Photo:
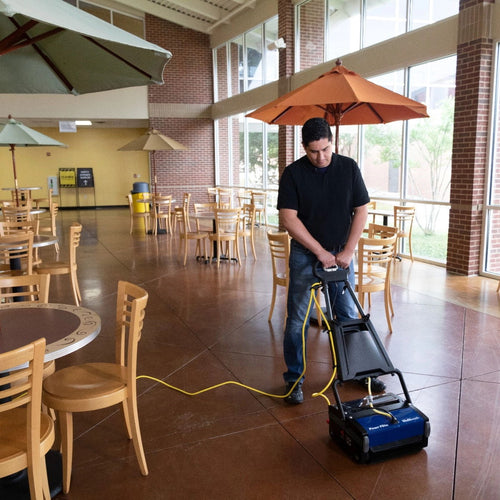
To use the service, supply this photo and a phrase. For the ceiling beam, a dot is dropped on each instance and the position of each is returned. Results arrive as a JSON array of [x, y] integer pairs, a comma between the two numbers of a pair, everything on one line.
[[203, 9], [167, 14]]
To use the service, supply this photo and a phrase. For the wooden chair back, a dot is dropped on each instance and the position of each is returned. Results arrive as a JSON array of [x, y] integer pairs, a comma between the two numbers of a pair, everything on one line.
[[162, 213], [204, 209], [279, 245], [26, 434], [247, 227], [16, 214], [259, 200], [27, 287], [17, 253], [227, 227], [403, 220], [375, 256]]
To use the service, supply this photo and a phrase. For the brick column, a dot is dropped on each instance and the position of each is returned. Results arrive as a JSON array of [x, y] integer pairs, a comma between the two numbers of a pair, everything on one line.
[[286, 67], [470, 139]]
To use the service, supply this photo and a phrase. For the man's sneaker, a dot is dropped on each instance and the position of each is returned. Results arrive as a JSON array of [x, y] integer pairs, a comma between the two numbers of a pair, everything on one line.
[[376, 385], [296, 396]]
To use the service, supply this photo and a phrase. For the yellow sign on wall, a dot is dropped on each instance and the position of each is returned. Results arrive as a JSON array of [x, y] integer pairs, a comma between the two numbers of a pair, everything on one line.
[[67, 177]]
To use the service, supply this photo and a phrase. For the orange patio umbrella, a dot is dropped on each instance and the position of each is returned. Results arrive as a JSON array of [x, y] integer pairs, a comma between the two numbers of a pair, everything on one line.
[[340, 96]]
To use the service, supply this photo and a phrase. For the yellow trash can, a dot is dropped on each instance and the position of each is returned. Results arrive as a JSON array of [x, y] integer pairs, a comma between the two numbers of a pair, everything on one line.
[[140, 206]]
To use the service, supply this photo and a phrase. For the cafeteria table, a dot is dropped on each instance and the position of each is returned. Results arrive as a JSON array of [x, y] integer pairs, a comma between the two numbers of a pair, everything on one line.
[[66, 328]]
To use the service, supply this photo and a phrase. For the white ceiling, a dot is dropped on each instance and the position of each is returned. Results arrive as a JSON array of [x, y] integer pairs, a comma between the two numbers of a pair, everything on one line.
[[198, 15]]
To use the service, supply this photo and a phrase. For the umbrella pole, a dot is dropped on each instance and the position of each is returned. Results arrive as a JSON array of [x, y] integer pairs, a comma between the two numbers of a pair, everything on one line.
[[16, 186], [153, 170]]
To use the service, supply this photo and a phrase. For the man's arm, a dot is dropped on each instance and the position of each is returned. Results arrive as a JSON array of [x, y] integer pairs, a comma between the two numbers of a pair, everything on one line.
[[298, 231]]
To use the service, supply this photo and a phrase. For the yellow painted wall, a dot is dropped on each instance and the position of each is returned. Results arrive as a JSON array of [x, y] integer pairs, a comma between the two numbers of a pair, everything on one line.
[[95, 148]]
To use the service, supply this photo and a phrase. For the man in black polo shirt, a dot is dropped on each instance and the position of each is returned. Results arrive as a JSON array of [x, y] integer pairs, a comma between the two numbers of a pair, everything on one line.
[[322, 201]]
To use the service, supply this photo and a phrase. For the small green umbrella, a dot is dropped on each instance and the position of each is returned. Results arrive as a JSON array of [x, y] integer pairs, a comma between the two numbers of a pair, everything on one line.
[[14, 133]]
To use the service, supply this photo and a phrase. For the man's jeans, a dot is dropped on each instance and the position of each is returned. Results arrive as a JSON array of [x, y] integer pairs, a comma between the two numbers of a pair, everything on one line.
[[301, 280]]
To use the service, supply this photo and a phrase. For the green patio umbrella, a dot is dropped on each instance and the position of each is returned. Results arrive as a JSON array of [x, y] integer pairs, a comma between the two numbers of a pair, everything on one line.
[[14, 133], [49, 46]]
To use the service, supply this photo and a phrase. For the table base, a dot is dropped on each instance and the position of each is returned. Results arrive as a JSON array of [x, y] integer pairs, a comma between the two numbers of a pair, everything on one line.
[[16, 486]]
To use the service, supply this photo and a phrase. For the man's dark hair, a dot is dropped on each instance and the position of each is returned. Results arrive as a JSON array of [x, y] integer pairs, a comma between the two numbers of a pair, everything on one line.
[[315, 129]]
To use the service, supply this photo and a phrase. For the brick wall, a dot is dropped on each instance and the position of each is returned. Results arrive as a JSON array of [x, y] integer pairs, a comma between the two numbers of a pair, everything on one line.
[[187, 80]]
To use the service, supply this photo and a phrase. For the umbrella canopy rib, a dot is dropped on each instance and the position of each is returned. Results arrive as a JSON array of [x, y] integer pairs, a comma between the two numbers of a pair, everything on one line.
[[117, 56]]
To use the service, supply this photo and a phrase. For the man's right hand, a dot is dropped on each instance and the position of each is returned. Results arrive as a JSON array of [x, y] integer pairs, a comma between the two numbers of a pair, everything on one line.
[[327, 259]]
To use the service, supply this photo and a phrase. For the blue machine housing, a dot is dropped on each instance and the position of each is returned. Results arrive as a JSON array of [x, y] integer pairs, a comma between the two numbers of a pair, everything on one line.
[[369, 436]]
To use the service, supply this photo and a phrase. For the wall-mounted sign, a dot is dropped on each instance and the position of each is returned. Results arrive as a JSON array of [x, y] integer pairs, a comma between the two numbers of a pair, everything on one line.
[[85, 177]]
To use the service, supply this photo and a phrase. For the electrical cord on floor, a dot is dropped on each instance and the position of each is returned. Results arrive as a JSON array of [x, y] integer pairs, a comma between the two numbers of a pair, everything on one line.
[[312, 297], [279, 396]]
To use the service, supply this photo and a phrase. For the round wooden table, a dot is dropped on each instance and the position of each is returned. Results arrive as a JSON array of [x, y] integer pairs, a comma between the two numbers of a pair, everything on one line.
[[66, 329]]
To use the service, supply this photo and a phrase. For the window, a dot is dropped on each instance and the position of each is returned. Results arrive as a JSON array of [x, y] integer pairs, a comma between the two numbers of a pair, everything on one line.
[[310, 34], [492, 226], [344, 26], [384, 19]]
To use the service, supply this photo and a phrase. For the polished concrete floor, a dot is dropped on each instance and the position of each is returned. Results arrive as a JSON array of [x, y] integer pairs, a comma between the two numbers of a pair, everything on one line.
[[206, 325]]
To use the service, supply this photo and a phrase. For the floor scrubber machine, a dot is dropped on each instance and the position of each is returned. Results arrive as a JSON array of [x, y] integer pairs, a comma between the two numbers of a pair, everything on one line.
[[375, 427]]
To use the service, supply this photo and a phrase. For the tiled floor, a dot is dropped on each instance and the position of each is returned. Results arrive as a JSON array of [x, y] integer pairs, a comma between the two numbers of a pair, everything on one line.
[[204, 326]]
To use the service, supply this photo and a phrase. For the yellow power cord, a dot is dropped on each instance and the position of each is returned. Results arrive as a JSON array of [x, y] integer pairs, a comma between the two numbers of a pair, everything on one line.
[[312, 296], [279, 396]]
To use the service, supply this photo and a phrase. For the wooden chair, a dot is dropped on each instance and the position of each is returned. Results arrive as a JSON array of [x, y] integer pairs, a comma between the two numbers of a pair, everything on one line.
[[225, 198], [372, 205], [10, 227], [375, 256], [259, 200], [48, 224], [162, 213], [222, 197], [403, 220], [227, 226], [185, 235], [93, 386], [49, 199], [17, 257], [16, 214], [26, 433], [381, 231], [28, 287], [137, 215], [247, 227], [207, 209], [70, 266], [279, 245]]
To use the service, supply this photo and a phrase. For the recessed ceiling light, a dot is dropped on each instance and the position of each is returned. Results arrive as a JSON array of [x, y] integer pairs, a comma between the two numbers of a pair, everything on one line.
[[83, 122]]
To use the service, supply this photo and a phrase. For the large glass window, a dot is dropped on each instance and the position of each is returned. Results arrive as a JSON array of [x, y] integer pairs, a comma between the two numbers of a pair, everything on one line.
[[382, 147], [271, 56], [246, 62], [428, 166], [384, 19], [310, 34], [344, 26], [253, 52], [425, 12], [492, 227]]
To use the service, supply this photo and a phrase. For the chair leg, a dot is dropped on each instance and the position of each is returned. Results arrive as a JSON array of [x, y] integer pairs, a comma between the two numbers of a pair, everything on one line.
[[252, 243], [273, 300], [66, 425], [186, 241], [75, 287], [133, 418]]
